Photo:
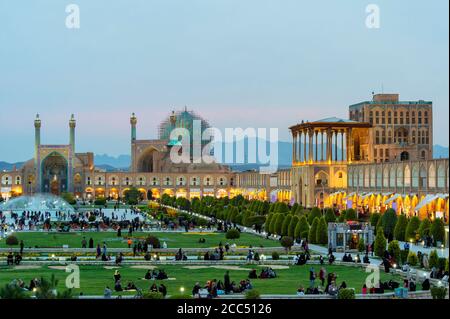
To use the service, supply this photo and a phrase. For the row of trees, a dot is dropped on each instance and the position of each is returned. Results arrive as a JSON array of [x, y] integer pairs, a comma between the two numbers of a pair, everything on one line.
[[403, 229]]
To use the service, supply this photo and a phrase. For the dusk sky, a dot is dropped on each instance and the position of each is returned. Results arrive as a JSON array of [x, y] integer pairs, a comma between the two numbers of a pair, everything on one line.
[[238, 63]]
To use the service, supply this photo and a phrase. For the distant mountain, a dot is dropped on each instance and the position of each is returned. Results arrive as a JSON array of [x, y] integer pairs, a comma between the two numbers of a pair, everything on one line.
[[122, 162], [4, 166]]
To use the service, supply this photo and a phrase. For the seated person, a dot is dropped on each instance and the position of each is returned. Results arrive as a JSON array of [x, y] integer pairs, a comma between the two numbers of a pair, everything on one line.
[[331, 259], [10, 259], [252, 274], [148, 275], [154, 288], [300, 291], [118, 286], [426, 284], [161, 275], [147, 256], [366, 259], [17, 259], [130, 286]]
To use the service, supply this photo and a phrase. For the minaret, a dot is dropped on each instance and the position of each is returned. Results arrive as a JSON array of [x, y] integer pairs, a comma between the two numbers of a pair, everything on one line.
[[72, 125], [133, 122], [37, 138], [37, 143]]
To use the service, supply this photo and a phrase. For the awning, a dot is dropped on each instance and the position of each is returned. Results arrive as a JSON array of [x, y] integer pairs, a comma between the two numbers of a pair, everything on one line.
[[428, 199], [442, 196], [366, 195], [387, 201], [336, 193]]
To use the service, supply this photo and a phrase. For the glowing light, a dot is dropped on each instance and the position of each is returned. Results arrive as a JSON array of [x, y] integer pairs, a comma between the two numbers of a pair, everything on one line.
[[182, 289]]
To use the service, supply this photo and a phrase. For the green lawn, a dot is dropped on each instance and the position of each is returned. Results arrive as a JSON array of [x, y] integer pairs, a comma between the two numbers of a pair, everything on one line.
[[93, 279], [173, 240]]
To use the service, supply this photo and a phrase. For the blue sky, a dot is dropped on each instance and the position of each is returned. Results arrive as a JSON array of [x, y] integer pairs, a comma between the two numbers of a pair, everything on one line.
[[252, 63]]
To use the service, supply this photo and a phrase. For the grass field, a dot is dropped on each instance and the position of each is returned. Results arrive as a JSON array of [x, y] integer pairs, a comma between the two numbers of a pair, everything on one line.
[[173, 240], [93, 279]]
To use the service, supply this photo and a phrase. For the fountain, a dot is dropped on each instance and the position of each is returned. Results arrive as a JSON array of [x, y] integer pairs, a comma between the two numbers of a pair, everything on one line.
[[37, 202]]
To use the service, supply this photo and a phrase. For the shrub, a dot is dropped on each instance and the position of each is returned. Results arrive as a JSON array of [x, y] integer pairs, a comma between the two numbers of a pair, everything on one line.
[[154, 241], [153, 295], [287, 242], [361, 245], [380, 243], [313, 231], [101, 201], [278, 224], [347, 293], [350, 214], [232, 234], [433, 260], [315, 213], [12, 291], [425, 228], [285, 225], [292, 226], [92, 218], [403, 256], [413, 260], [302, 228], [438, 230], [400, 228], [268, 221], [388, 220], [330, 216], [322, 232], [275, 255], [12, 240], [252, 294], [438, 292], [374, 218], [412, 228], [394, 250]]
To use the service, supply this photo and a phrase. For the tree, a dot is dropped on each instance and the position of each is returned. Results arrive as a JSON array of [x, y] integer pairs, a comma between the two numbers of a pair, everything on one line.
[[322, 232], [330, 216], [350, 215], [279, 224], [394, 250], [389, 219], [292, 225], [132, 196], [285, 225], [433, 261], [374, 218], [400, 228], [425, 228], [313, 231], [282, 208], [361, 245], [412, 260], [438, 230], [232, 234], [302, 228], [412, 228], [287, 242], [315, 213], [380, 243], [268, 221], [273, 222]]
